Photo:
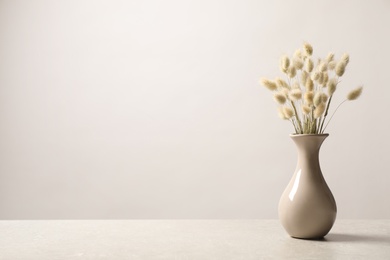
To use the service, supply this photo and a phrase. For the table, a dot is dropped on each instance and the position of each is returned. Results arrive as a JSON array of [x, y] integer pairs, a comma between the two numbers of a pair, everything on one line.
[[187, 239]]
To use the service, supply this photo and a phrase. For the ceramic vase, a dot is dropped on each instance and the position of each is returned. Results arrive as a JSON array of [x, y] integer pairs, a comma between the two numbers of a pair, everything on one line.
[[307, 208]]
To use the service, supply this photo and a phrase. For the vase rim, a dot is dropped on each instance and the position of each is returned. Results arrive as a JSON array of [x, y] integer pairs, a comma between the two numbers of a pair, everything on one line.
[[292, 135]]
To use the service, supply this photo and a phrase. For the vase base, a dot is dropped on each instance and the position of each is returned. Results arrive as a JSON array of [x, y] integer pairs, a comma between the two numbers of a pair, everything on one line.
[[320, 238]]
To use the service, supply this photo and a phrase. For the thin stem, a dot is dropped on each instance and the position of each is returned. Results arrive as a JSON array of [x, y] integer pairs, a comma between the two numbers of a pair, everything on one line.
[[326, 113], [327, 108], [296, 130], [319, 124], [304, 120], [333, 114], [311, 120], [298, 121], [297, 117]]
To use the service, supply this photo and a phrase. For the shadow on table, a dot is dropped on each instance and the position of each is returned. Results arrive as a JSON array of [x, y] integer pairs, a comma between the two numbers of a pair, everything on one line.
[[338, 237]]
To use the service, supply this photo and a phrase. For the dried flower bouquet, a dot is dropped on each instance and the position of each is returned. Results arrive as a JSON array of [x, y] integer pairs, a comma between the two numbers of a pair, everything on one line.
[[305, 97]]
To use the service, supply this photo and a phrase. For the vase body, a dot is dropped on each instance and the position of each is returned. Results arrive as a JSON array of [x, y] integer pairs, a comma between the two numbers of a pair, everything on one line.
[[307, 208]]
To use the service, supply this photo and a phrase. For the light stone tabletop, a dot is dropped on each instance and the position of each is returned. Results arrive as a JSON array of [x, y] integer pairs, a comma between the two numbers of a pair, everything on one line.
[[187, 239]]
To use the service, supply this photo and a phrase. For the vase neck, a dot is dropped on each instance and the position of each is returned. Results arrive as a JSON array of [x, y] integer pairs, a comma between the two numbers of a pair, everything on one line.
[[309, 142], [308, 147]]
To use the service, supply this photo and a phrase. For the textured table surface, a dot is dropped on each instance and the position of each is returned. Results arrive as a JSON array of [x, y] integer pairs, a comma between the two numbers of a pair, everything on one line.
[[187, 239]]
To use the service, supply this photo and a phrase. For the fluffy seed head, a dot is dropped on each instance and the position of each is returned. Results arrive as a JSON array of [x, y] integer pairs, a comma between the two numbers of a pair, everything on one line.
[[324, 97], [330, 57], [295, 94], [321, 79], [281, 113], [345, 58], [306, 109], [315, 75], [292, 72], [319, 110], [288, 112], [317, 99], [308, 49], [298, 54], [280, 98], [331, 65], [304, 76], [268, 84], [285, 91], [323, 67], [325, 78], [332, 83], [355, 94], [309, 98], [281, 83], [309, 84], [340, 68], [297, 63], [284, 64], [309, 65]]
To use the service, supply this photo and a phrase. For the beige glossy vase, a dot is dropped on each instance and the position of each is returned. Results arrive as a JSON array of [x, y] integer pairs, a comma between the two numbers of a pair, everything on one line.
[[307, 208]]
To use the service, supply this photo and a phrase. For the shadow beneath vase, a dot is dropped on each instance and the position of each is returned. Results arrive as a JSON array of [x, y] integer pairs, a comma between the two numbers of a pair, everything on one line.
[[338, 237]]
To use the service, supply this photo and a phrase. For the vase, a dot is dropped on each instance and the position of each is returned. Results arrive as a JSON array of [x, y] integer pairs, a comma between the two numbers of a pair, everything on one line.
[[307, 208]]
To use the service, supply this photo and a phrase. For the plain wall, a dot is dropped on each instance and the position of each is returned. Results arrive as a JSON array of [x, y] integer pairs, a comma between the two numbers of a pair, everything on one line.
[[152, 109]]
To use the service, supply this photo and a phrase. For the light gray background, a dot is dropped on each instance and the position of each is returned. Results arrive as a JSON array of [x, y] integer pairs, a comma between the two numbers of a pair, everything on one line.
[[151, 109]]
